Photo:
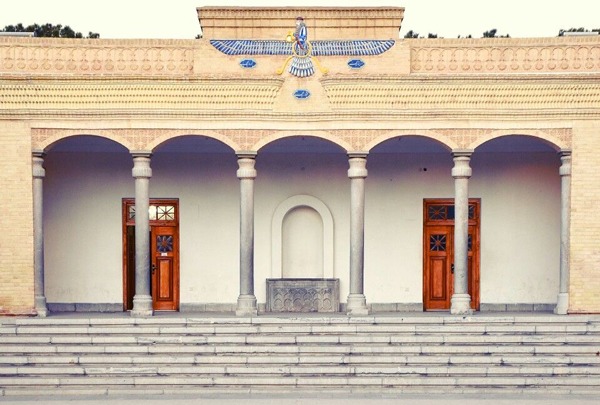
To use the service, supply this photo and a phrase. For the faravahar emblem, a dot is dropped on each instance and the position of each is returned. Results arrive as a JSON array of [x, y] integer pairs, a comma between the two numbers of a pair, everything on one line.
[[301, 53]]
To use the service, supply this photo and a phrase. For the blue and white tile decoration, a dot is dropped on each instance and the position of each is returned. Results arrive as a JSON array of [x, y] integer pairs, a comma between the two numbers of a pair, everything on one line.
[[301, 64], [356, 63], [319, 48], [248, 63], [302, 94], [301, 67]]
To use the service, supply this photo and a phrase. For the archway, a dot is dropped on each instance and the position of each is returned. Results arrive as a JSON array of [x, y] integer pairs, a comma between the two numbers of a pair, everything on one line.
[[517, 179], [86, 177]]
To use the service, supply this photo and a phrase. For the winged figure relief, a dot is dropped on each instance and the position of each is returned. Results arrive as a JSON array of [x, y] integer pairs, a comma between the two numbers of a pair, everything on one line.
[[301, 53]]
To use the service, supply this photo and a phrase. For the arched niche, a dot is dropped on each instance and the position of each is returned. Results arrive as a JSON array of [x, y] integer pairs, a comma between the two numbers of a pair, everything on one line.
[[299, 202]]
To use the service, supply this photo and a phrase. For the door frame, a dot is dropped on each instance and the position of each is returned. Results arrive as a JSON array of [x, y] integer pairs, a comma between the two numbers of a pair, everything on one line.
[[474, 253], [128, 272]]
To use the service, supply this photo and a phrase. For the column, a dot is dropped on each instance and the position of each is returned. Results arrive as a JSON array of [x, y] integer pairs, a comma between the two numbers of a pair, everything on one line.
[[142, 300], [461, 172], [562, 304], [246, 304], [38, 234], [357, 303]]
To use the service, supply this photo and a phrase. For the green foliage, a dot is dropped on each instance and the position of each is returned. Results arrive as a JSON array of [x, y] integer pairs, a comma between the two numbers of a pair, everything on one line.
[[49, 30], [492, 34], [412, 34]]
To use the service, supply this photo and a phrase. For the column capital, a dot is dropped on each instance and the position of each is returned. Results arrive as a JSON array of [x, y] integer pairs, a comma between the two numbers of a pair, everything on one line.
[[246, 154], [246, 162], [39, 153], [358, 166], [37, 168], [461, 169], [462, 152], [141, 165], [141, 153], [565, 159]]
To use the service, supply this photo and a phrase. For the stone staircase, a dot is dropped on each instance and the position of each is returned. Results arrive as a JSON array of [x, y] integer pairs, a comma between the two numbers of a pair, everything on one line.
[[386, 353]]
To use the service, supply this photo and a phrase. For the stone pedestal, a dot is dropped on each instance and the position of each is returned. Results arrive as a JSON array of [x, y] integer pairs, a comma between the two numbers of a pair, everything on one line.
[[303, 295]]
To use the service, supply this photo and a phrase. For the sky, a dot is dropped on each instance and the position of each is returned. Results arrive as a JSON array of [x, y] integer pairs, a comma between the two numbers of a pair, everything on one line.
[[177, 19]]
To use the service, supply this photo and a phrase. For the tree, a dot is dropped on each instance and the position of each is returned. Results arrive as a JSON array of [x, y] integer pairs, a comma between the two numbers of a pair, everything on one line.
[[49, 30], [412, 34], [492, 34]]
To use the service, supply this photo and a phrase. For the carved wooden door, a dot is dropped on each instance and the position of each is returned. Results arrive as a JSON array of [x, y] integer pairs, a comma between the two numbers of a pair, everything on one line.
[[438, 274], [164, 253], [438, 254], [164, 276]]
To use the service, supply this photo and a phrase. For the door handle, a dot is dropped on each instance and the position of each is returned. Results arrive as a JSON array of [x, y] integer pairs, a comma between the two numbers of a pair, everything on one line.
[[452, 268], [154, 268]]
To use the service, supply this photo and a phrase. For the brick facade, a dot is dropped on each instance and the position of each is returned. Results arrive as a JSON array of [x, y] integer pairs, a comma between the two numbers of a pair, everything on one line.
[[16, 236], [140, 93]]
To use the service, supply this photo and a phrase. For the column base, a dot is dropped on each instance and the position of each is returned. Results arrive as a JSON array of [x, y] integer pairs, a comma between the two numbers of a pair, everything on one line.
[[41, 308], [461, 304], [562, 304], [246, 306], [357, 305], [142, 306]]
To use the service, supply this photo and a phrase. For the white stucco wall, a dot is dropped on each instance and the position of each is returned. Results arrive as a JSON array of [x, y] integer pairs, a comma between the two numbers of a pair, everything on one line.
[[520, 224], [520, 209], [82, 226]]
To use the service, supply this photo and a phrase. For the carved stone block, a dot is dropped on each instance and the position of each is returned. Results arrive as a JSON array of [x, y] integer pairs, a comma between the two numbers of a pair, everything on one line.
[[303, 295]]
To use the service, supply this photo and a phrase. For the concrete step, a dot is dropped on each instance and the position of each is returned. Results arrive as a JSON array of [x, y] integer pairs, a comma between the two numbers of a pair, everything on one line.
[[165, 369], [303, 349], [383, 381], [385, 352], [59, 337]]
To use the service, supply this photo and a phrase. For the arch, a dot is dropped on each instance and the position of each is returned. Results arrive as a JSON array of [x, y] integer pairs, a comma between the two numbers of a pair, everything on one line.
[[281, 211], [173, 134], [553, 141], [430, 134], [49, 140], [326, 136]]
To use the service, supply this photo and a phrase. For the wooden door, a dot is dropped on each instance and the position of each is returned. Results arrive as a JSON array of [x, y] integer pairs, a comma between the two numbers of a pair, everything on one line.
[[438, 254], [438, 275], [164, 253], [164, 276]]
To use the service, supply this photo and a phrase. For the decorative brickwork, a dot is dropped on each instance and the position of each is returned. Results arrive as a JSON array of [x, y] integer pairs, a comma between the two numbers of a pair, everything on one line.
[[496, 55], [204, 95], [95, 57], [463, 93]]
